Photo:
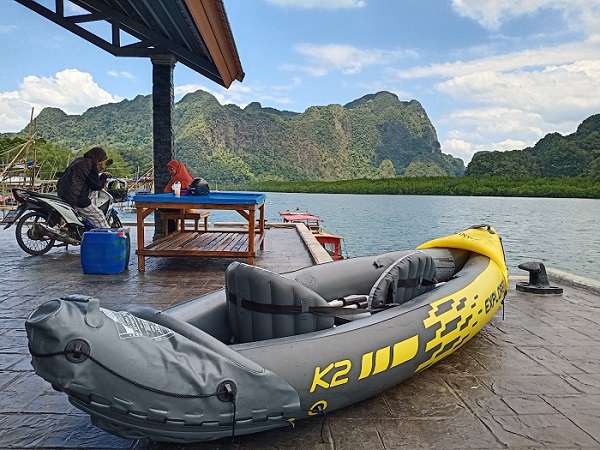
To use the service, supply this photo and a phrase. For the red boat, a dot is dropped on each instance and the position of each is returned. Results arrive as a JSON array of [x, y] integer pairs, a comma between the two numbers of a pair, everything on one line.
[[330, 242]]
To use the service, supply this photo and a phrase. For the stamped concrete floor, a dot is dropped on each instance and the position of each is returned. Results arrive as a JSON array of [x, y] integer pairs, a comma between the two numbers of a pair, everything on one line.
[[528, 380]]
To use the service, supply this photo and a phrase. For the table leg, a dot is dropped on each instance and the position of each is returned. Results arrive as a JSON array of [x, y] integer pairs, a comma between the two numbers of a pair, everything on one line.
[[182, 218], [140, 239], [262, 226], [251, 226]]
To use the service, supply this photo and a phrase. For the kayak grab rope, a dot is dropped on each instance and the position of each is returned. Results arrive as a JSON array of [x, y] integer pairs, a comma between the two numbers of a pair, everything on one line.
[[320, 411], [78, 351]]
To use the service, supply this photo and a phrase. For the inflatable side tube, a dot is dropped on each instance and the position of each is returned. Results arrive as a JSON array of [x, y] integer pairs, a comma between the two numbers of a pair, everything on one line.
[[482, 240], [154, 376]]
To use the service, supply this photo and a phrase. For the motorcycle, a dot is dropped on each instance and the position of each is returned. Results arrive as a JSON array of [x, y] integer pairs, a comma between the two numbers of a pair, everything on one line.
[[45, 220]]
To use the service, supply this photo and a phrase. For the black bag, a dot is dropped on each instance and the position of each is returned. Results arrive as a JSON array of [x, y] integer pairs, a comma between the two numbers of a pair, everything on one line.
[[199, 186]]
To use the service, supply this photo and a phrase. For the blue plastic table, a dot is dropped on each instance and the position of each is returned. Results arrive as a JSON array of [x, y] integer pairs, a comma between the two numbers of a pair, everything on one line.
[[215, 242]]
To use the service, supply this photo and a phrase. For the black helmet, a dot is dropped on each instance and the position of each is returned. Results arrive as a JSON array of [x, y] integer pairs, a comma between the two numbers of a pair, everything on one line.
[[199, 186], [117, 187]]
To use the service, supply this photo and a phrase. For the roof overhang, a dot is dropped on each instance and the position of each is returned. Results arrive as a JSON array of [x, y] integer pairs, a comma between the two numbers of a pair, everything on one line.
[[195, 32]]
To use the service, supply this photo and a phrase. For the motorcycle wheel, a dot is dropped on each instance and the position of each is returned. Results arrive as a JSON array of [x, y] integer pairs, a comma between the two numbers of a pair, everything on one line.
[[24, 233], [114, 221]]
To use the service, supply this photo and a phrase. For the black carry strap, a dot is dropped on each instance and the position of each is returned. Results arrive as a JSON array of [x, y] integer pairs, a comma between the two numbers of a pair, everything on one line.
[[414, 282], [327, 311]]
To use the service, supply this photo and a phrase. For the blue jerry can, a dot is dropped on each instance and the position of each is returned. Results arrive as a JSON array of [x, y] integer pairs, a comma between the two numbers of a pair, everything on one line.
[[105, 250]]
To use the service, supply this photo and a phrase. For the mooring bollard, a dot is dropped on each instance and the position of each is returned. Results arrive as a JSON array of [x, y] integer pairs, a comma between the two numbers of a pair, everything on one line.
[[538, 280]]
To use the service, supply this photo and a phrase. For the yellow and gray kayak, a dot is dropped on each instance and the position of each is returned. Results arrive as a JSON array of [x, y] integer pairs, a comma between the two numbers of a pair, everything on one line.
[[269, 348]]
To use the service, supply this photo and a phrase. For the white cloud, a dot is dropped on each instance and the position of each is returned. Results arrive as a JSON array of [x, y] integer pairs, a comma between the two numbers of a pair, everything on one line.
[[14, 112], [8, 28], [477, 129], [568, 53], [491, 13], [485, 129], [465, 150], [509, 144], [460, 149], [496, 122], [580, 15], [71, 90], [515, 98], [556, 94], [322, 59], [122, 74], [319, 4]]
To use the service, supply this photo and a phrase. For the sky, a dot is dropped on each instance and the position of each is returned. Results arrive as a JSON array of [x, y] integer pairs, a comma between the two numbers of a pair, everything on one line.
[[491, 74]]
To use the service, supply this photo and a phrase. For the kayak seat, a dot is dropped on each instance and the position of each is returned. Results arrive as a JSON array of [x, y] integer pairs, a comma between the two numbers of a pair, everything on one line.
[[265, 305], [407, 278]]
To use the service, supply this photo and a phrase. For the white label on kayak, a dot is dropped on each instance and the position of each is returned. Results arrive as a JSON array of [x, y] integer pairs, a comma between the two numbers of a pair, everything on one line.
[[130, 326]]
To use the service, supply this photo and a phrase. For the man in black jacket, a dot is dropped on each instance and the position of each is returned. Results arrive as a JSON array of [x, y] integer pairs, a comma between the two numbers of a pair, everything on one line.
[[80, 179]]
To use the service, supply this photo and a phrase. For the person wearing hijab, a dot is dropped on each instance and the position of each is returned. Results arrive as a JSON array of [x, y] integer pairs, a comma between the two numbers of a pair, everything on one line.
[[178, 173], [80, 179]]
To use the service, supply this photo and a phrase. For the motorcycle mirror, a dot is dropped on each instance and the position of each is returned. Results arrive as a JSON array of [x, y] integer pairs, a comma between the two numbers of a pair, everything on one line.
[[108, 162]]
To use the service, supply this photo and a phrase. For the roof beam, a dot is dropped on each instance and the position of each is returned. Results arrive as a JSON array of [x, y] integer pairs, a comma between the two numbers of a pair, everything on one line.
[[175, 31], [211, 20]]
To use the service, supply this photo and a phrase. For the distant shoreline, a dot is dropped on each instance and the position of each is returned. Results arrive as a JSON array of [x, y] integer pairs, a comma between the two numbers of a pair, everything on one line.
[[453, 186]]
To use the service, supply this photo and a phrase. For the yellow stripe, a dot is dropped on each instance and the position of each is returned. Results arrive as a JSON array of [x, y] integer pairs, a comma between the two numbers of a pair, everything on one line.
[[405, 350], [382, 359], [367, 365]]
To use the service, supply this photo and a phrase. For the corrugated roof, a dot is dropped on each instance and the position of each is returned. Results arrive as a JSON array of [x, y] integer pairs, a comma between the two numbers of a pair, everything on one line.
[[195, 32]]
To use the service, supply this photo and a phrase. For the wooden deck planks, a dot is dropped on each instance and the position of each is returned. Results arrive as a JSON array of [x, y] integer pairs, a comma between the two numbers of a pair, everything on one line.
[[191, 243]]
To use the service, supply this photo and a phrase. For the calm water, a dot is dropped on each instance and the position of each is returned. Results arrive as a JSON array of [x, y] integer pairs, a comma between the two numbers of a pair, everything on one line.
[[561, 233]]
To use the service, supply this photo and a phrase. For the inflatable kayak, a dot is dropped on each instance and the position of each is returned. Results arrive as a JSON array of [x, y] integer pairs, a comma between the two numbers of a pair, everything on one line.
[[269, 348]]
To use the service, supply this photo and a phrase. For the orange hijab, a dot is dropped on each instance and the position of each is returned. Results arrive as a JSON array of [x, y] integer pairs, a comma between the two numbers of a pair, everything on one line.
[[181, 174]]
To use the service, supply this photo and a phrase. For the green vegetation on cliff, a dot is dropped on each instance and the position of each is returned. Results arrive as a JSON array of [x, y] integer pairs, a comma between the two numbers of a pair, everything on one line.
[[374, 136], [575, 155]]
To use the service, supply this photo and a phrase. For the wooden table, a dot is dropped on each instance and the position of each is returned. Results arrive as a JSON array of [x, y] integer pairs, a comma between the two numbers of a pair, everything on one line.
[[215, 242]]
